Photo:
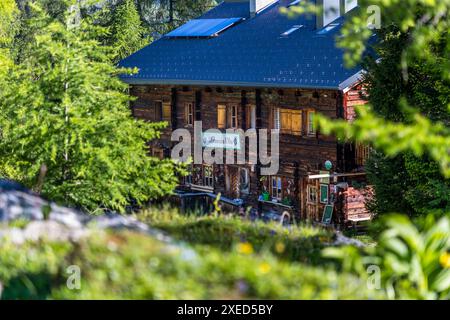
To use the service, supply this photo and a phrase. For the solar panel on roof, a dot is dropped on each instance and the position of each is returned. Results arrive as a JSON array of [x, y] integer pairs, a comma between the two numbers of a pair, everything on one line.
[[203, 27]]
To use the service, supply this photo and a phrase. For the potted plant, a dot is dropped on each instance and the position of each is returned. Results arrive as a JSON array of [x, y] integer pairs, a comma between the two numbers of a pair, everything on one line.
[[286, 202], [265, 196]]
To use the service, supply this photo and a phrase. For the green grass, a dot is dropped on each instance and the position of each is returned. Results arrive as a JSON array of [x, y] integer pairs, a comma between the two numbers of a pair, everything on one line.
[[132, 266], [219, 257], [302, 243]]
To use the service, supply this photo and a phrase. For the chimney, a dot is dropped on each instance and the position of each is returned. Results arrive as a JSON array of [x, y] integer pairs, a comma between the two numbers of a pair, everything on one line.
[[257, 5], [330, 11], [347, 5]]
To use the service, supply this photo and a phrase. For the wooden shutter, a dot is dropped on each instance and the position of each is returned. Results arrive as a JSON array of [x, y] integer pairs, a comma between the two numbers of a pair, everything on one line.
[[221, 116], [167, 112], [296, 124], [158, 111], [286, 121]]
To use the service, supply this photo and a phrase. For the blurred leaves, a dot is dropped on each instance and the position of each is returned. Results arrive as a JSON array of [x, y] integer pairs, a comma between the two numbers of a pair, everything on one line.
[[420, 136], [426, 25], [126, 265], [410, 258]]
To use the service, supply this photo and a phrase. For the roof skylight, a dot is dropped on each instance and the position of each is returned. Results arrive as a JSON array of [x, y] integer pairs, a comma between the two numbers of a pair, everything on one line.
[[203, 28], [294, 3], [329, 28], [291, 30]]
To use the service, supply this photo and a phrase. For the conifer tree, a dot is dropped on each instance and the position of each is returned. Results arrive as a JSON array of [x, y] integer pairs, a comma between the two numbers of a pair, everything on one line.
[[127, 32], [66, 129]]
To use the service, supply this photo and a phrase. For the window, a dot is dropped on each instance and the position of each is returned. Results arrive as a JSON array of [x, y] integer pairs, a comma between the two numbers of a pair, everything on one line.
[[188, 179], [189, 114], [362, 154], [221, 116], [291, 30], [312, 194], [251, 117], [158, 111], [233, 117], [157, 153], [245, 181], [167, 112], [277, 192], [227, 117], [276, 119], [288, 121], [208, 176], [310, 122]]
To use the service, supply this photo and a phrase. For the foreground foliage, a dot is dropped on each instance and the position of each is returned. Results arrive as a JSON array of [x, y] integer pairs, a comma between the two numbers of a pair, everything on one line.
[[407, 183], [132, 266], [296, 243], [412, 262], [424, 26], [407, 263]]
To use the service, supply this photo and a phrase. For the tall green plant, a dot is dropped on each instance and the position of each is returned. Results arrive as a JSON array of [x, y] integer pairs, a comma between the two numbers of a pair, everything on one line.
[[66, 127], [414, 263]]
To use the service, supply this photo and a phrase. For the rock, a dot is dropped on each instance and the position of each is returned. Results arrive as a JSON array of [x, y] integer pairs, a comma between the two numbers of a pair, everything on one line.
[[53, 231], [118, 222], [14, 235], [65, 224], [44, 230], [342, 240]]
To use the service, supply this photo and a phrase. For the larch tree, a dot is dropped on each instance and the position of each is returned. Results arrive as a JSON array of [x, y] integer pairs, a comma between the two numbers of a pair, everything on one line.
[[67, 130]]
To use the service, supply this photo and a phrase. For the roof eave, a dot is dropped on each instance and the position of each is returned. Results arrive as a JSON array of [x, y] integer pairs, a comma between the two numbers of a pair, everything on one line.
[[205, 83], [348, 84]]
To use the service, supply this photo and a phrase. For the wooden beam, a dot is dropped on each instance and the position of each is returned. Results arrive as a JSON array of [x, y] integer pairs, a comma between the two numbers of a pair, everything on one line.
[[335, 175]]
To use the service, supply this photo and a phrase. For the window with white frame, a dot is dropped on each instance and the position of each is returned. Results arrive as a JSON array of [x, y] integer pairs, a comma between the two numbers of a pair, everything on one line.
[[277, 119], [312, 194], [189, 114], [227, 116], [277, 188], [233, 117], [244, 181], [311, 114], [208, 176], [188, 179]]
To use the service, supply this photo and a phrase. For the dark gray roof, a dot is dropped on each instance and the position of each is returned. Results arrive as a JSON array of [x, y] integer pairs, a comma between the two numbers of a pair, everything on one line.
[[251, 53]]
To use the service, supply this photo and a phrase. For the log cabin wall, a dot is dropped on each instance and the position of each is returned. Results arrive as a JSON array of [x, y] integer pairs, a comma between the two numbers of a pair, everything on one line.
[[301, 154]]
